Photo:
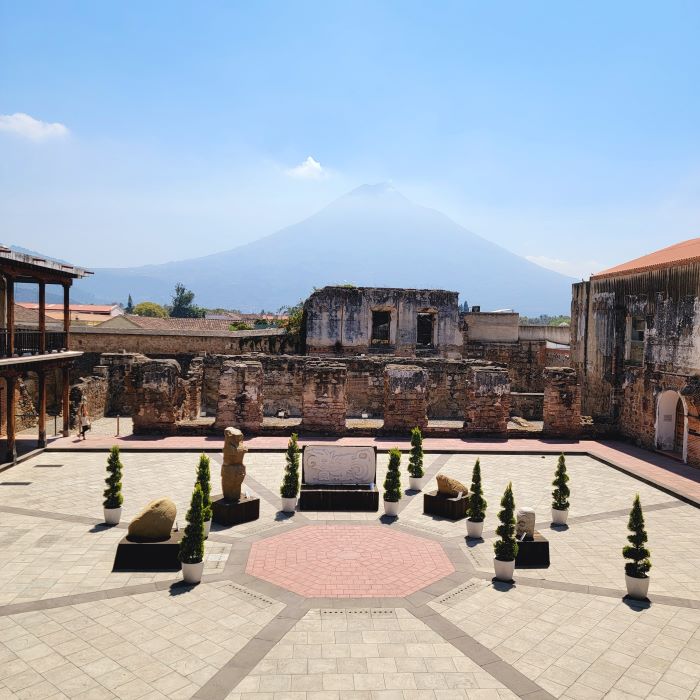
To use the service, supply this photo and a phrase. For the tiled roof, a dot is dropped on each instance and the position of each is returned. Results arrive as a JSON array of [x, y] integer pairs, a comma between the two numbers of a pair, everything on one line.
[[179, 324], [684, 252], [80, 308]]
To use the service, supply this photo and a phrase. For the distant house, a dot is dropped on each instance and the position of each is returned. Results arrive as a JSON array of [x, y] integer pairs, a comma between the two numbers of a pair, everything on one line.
[[80, 314], [126, 321]]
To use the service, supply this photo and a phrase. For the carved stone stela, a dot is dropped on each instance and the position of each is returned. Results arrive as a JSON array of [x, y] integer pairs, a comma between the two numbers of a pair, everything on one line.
[[333, 465]]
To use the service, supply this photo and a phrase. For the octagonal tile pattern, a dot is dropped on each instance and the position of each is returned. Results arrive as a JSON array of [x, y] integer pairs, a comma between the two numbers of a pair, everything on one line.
[[348, 561]]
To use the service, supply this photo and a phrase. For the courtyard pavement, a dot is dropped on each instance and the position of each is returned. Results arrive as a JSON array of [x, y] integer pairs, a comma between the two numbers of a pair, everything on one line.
[[343, 606]]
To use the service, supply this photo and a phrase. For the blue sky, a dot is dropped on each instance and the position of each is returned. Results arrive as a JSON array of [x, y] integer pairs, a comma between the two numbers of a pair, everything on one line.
[[566, 132]]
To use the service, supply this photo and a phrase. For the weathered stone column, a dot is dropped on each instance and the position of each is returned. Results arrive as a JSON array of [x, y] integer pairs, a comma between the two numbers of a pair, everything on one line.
[[405, 397], [324, 399], [488, 401], [240, 403], [562, 402], [159, 396]]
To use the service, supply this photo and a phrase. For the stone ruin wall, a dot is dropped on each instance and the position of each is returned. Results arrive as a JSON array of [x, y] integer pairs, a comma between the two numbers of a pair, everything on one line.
[[562, 403], [405, 397], [240, 396], [94, 391], [324, 400], [487, 401], [525, 359]]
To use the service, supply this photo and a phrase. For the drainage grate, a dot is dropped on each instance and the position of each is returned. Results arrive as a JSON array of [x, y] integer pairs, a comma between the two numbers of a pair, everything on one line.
[[15, 483]]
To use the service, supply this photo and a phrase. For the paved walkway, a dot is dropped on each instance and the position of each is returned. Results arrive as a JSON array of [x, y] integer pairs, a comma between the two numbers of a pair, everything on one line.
[[654, 468], [70, 628]]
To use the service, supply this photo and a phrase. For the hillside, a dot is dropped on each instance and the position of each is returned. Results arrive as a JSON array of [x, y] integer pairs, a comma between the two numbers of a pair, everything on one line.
[[372, 236]]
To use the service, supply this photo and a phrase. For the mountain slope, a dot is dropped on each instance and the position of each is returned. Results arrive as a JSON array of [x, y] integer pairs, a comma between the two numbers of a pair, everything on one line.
[[372, 236]]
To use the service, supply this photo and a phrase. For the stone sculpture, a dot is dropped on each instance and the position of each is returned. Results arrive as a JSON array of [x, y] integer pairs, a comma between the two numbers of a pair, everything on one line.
[[447, 486], [155, 521], [525, 527], [233, 469]]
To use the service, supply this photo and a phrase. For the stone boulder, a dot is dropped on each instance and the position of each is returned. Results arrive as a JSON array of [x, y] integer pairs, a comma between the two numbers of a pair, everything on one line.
[[155, 521], [447, 486]]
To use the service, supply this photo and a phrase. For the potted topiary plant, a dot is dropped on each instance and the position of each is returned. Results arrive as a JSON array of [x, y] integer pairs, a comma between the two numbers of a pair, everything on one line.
[[637, 569], [416, 473], [113, 493], [290, 483], [392, 483], [191, 553], [506, 547], [560, 495], [204, 481], [476, 507]]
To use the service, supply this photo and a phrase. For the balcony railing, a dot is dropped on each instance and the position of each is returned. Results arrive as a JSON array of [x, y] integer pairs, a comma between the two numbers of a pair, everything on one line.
[[28, 342]]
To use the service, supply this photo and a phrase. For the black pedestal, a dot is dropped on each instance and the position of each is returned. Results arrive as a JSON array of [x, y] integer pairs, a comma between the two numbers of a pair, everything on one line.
[[533, 554], [140, 555], [243, 510], [435, 503], [339, 497]]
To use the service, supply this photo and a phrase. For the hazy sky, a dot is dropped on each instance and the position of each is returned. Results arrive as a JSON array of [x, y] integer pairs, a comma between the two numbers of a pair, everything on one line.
[[139, 132]]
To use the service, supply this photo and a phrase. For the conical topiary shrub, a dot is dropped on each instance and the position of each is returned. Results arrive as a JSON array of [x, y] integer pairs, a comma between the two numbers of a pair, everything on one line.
[[640, 563], [290, 481], [561, 492], [113, 493], [392, 482], [192, 542], [506, 547], [415, 461], [204, 481], [476, 509]]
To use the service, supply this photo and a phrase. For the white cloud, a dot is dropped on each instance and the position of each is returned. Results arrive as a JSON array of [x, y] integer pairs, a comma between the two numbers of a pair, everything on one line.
[[581, 269], [310, 169], [27, 127]]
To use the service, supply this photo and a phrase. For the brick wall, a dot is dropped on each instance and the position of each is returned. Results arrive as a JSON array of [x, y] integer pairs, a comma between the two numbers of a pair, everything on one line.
[[405, 397], [562, 402], [240, 402], [526, 360], [324, 404], [488, 401]]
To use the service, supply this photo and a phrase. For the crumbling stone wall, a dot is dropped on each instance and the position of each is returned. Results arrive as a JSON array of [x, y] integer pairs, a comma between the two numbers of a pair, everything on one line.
[[405, 397], [525, 359], [488, 401], [94, 392], [339, 320], [240, 402], [562, 402], [529, 406], [160, 396], [324, 401]]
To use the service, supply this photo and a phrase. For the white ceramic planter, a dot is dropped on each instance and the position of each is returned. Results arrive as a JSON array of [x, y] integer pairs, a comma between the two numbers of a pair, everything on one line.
[[207, 527], [416, 483], [391, 508], [112, 515], [475, 530], [637, 587], [504, 569], [559, 516], [192, 573], [289, 505]]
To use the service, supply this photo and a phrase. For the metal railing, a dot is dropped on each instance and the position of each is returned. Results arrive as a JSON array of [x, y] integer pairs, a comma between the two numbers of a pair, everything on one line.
[[28, 342]]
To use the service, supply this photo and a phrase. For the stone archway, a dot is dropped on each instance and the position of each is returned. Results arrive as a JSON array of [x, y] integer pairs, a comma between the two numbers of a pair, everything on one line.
[[672, 423]]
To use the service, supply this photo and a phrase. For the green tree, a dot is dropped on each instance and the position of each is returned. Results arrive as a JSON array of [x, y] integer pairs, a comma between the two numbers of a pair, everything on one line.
[[113, 493], [183, 304], [240, 326], [290, 482], [560, 494], [477, 503], [636, 551], [150, 308], [204, 481], [129, 306], [192, 542], [415, 462], [392, 482], [506, 547]]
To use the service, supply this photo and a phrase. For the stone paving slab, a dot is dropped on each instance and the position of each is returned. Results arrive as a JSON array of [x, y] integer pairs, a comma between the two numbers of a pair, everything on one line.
[[581, 646]]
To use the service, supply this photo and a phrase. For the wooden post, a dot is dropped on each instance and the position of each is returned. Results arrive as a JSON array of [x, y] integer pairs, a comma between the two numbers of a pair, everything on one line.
[[66, 401], [42, 317], [42, 407], [10, 316], [66, 314], [11, 445]]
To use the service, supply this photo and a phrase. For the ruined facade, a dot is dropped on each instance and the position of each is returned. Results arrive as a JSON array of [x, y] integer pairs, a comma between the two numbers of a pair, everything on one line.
[[635, 345], [401, 322]]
